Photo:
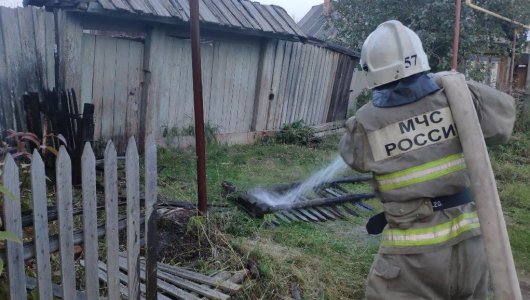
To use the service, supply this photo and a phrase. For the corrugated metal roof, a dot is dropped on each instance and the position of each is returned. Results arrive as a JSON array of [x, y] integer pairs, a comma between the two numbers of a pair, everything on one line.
[[237, 14]]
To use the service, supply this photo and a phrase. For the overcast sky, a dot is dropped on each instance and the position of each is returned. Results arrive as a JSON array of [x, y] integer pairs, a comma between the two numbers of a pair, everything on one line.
[[295, 8]]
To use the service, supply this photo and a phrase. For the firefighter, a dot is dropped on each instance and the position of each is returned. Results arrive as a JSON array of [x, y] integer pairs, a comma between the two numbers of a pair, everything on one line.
[[431, 245]]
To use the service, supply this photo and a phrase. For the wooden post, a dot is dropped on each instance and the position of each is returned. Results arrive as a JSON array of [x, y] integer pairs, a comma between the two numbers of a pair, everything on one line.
[[40, 225], [484, 188], [151, 218], [13, 224], [111, 221], [133, 218], [63, 168], [90, 222]]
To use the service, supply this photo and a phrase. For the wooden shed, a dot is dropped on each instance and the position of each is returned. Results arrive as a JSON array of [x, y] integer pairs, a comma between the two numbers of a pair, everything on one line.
[[132, 60]]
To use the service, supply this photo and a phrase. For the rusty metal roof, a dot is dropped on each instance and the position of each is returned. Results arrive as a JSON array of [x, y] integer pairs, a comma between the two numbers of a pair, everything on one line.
[[235, 14]]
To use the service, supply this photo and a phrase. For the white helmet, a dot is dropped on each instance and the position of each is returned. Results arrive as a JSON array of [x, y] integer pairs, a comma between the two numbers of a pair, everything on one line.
[[392, 52]]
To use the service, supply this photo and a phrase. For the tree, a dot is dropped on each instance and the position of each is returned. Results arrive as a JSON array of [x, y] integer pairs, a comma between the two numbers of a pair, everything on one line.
[[433, 21]]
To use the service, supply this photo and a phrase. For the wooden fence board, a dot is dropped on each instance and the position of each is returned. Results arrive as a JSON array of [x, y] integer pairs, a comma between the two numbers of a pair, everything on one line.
[[40, 225], [97, 85], [324, 85], [197, 277], [71, 47], [133, 217], [108, 72], [238, 89], [28, 64], [174, 69], [295, 80], [13, 58], [165, 83], [329, 93], [264, 83], [207, 53], [7, 116], [281, 94], [250, 87], [215, 101], [39, 28], [304, 74], [87, 75], [13, 224], [309, 96], [121, 93], [90, 226], [278, 55], [134, 88], [225, 78], [150, 236], [121, 277], [187, 86], [316, 79], [66, 222], [111, 220], [50, 46]]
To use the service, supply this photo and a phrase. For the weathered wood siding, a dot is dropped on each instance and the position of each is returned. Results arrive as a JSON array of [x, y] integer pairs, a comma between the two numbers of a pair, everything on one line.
[[304, 82], [142, 83], [112, 71], [229, 72], [26, 60]]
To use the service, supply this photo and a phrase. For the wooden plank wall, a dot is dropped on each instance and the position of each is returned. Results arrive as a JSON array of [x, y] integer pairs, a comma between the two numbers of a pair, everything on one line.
[[306, 82], [26, 60], [250, 84], [112, 71], [229, 72]]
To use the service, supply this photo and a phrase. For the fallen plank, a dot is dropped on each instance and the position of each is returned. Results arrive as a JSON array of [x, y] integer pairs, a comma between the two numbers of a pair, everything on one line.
[[197, 277]]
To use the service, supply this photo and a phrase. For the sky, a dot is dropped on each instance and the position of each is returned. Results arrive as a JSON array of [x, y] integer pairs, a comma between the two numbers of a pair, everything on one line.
[[295, 8], [11, 3]]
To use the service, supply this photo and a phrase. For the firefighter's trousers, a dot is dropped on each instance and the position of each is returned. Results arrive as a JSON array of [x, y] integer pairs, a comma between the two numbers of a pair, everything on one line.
[[455, 272]]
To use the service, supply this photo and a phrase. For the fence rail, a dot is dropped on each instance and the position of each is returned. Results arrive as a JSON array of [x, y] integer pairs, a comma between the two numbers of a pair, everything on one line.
[[65, 208]]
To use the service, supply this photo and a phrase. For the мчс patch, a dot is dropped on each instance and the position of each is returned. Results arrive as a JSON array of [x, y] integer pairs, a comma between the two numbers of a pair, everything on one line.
[[417, 132]]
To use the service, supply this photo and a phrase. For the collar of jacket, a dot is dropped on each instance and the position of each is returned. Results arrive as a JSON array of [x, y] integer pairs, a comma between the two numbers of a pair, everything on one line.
[[404, 91]]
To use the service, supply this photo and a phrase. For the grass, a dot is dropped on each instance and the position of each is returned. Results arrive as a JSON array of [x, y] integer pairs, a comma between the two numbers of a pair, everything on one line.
[[511, 164], [325, 260]]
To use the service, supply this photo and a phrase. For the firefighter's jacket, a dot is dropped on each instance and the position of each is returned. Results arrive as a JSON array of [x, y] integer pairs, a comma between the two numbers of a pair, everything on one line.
[[415, 154]]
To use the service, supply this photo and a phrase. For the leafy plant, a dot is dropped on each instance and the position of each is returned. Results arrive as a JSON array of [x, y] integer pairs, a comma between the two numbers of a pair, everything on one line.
[[297, 133], [24, 142]]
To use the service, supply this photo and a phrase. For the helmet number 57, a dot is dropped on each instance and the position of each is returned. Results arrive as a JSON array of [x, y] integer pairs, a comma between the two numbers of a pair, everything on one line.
[[410, 60]]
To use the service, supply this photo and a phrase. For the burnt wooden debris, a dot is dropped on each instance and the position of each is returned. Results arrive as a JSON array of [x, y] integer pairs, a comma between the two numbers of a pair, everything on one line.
[[329, 201], [56, 115]]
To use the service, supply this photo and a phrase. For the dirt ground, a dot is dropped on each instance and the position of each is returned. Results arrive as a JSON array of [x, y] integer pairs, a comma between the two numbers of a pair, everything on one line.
[[178, 245]]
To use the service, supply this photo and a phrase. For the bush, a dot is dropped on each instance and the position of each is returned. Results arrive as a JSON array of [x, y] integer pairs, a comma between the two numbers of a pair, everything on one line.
[[297, 133]]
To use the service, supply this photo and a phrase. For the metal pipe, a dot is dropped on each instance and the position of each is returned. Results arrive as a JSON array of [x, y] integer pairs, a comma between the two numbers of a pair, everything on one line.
[[198, 106], [456, 35], [470, 4]]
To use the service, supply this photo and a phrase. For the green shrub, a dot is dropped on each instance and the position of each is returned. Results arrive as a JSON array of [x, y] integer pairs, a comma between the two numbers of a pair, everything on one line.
[[296, 133]]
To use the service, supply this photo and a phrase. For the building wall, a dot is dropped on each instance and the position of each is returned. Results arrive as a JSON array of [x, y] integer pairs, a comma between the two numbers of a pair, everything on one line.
[[138, 76]]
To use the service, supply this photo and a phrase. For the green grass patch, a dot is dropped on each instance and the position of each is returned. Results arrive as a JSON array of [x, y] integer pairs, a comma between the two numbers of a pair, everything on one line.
[[325, 260], [511, 164]]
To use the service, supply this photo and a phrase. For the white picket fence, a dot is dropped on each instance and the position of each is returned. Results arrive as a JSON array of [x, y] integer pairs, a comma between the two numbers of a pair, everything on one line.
[[117, 286]]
